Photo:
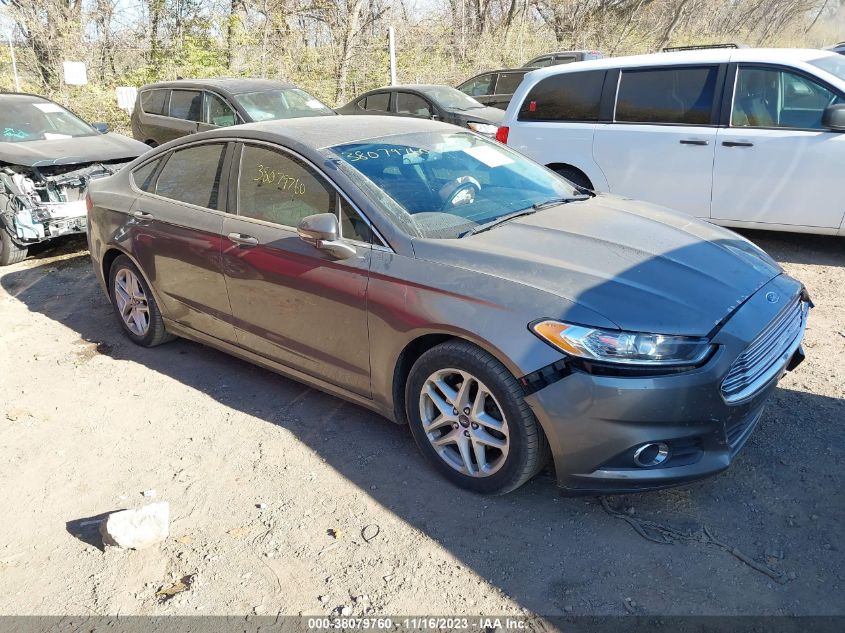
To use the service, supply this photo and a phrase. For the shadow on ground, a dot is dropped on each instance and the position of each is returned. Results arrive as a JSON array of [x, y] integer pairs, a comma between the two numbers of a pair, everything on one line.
[[551, 554]]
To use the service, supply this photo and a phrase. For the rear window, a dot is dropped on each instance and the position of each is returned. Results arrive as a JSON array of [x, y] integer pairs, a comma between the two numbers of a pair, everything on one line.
[[667, 95], [564, 97], [154, 101]]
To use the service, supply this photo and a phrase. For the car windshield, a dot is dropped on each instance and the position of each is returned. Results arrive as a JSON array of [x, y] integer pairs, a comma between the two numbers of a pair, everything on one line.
[[444, 184], [284, 103], [450, 98], [834, 64], [24, 121]]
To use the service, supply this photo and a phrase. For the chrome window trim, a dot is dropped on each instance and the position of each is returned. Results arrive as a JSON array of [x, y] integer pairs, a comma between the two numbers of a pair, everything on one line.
[[171, 151]]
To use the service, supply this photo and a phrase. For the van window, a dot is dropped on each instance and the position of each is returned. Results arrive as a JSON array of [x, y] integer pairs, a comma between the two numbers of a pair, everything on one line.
[[479, 87], [667, 95], [186, 104], [508, 83], [564, 97], [217, 111], [154, 101], [772, 98]]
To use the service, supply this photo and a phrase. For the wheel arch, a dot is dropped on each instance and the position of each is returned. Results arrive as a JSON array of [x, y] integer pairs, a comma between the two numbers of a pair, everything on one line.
[[561, 166], [112, 253], [421, 344]]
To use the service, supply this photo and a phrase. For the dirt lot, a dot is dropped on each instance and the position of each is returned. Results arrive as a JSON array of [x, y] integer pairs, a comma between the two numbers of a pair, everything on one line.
[[287, 500]]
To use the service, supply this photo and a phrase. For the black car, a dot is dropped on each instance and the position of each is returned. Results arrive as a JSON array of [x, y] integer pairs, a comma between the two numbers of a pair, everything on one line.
[[838, 48], [170, 109], [495, 87], [562, 57], [428, 101], [48, 155]]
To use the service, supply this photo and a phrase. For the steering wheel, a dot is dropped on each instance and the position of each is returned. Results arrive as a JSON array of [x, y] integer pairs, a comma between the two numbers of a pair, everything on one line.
[[459, 192]]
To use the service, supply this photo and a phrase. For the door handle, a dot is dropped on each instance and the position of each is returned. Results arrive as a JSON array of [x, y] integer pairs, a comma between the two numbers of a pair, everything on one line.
[[737, 144], [243, 240], [694, 141], [142, 215]]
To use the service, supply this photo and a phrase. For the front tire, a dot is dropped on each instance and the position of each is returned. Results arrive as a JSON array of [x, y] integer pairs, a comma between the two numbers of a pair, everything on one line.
[[10, 252], [470, 420], [134, 304]]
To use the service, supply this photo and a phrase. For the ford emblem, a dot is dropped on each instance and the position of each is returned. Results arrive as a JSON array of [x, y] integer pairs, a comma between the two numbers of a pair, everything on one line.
[[771, 297]]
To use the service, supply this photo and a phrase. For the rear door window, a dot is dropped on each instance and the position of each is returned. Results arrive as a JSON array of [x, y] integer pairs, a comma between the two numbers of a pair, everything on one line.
[[667, 95], [193, 175], [564, 97], [186, 104], [155, 101], [379, 101]]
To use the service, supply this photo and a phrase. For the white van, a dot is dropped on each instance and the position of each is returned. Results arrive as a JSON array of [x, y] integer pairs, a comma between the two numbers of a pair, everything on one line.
[[743, 137]]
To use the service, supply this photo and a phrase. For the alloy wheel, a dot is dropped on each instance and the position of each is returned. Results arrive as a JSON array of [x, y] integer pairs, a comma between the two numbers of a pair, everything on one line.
[[464, 423], [132, 302]]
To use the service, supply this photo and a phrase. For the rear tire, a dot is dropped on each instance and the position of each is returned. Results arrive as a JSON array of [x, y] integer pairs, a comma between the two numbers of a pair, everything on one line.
[[575, 176], [134, 305], [10, 252], [469, 418]]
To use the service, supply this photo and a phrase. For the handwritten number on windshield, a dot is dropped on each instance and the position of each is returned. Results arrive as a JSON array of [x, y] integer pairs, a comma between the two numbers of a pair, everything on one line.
[[268, 176]]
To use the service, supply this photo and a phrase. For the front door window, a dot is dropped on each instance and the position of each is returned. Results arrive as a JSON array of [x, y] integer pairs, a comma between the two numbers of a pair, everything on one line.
[[772, 98]]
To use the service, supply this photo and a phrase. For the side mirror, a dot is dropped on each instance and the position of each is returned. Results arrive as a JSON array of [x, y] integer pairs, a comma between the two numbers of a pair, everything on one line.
[[321, 231], [101, 127], [833, 118]]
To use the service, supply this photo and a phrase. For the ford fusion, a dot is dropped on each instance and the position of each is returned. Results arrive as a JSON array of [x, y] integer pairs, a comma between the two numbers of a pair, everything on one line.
[[447, 282]]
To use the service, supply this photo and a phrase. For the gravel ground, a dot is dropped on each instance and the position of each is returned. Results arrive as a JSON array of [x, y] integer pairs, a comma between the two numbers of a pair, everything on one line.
[[287, 500]]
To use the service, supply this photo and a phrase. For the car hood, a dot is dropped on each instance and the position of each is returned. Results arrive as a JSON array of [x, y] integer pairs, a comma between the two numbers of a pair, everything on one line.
[[644, 268], [485, 114], [71, 151]]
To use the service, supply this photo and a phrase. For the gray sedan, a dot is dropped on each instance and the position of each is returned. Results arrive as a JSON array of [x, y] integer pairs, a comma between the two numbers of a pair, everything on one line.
[[449, 283]]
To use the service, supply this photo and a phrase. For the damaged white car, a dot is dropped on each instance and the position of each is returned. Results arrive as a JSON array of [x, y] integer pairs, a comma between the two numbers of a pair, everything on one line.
[[48, 156]]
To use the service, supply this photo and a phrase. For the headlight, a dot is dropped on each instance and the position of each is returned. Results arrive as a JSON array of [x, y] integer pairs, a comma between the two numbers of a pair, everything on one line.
[[483, 128], [616, 346]]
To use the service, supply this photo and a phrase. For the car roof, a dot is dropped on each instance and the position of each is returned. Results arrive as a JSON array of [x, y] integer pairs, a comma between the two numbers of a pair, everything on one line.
[[709, 55], [232, 85], [23, 97], [320, 132]]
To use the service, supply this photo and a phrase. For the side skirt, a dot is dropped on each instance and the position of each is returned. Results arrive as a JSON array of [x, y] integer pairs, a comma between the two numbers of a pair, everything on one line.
[[198, 337]]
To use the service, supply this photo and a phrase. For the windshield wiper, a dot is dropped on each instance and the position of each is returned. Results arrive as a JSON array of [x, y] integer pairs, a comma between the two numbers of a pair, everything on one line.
[[501, 219], [556, 201]]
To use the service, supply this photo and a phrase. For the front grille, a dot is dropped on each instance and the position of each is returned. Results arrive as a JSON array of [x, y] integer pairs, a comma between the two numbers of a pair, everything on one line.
[[763, 358]]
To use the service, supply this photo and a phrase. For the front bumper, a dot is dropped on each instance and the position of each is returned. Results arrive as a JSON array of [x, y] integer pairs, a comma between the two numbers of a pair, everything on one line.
[[595, 424], [50, 220]]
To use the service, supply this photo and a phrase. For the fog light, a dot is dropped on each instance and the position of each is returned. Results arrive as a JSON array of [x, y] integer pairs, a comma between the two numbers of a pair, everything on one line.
[[649, 455]]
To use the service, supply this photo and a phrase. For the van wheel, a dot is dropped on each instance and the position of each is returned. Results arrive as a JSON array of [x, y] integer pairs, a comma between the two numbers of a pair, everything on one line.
[[469, 418], [10, 252], [134, 304], [575, 176]]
